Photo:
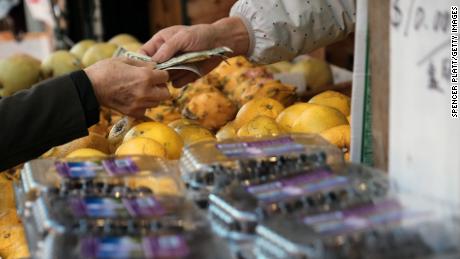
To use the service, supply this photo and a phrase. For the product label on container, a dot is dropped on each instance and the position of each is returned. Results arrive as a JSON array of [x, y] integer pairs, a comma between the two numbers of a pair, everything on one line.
[[91, 169], [364, 217], [165, 246], [299, 185], [273, 147], [103, 207]]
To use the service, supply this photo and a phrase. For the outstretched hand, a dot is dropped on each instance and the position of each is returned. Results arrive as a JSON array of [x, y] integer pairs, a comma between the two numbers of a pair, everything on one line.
[[174, 40]]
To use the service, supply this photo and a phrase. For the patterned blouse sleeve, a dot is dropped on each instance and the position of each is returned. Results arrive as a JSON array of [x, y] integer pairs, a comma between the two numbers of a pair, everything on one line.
[[284, 29]]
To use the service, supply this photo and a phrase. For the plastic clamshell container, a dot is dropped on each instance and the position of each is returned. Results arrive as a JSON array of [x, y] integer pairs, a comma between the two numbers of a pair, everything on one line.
[[91, 175], [208, 164], [131, 213], [236, 210], [162, 243], [396, 227]]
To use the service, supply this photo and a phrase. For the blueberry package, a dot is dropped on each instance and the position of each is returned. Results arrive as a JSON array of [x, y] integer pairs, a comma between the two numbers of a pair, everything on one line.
[[206, 165], [389, 228], [162, 243], [122, 214], [87, 175], [236, 209]]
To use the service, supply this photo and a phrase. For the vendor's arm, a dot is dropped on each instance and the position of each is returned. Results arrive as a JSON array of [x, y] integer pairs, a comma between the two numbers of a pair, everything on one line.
[[283, 29], [59, 110], [265, 30]]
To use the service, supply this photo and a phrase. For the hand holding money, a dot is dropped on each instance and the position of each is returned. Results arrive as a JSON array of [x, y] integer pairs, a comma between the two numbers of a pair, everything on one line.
[[168, 42], [128, 85], [186, 62]]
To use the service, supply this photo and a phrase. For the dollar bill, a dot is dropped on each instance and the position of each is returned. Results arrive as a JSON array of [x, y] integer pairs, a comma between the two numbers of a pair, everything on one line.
[[132, 55], [181, 62], [192, 57]]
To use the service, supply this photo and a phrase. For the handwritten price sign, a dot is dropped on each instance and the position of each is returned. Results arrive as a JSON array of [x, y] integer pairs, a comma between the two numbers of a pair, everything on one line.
[[424, 136]]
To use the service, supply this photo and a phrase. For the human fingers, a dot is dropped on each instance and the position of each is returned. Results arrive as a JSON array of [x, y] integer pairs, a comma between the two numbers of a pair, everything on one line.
[[152, 45], [136, 62], [177, 43]]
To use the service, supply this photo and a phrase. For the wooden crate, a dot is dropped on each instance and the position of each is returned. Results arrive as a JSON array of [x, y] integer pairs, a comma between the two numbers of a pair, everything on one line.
[[165, 13], [208, 11]]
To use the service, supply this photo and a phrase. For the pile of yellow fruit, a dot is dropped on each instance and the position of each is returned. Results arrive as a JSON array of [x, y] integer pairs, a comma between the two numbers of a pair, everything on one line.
[[237, 99], [12, 237], [21, 71]]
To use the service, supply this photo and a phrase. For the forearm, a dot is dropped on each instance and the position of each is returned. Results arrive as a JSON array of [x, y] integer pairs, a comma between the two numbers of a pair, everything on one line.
[[49, 114], [282, 29], [232, 32]]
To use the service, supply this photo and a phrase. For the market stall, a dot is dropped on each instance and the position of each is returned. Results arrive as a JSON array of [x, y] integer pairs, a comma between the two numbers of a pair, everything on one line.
[[293, 159]]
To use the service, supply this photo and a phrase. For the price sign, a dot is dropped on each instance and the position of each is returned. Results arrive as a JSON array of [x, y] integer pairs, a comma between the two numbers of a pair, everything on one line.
[[424, 154]]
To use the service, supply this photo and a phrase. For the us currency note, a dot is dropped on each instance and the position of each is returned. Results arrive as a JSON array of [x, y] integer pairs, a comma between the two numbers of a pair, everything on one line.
[[181, 62]]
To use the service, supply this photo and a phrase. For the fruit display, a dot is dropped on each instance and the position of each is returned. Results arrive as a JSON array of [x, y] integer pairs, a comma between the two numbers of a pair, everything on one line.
[[236, 99], [21, 71], [236, 102]]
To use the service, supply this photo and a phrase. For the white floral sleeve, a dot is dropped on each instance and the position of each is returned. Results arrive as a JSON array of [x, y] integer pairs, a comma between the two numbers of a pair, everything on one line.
[[284, 29]]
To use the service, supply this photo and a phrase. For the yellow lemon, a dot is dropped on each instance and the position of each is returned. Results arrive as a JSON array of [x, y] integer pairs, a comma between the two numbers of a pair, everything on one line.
[[258, 106], [288, 116], [166, 136], [141, 146], [194, 133], [86, 152], [226, 132], [260, 126], [138, 130], [333, 99], [317, 119], [339, 136]]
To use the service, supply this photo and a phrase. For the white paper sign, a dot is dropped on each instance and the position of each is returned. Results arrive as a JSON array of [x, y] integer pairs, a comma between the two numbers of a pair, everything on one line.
[[424, 138], [37, 45], [41, 10]]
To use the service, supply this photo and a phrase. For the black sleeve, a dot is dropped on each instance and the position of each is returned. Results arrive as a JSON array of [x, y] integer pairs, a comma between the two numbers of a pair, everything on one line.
[[87, 97], [52, 113]]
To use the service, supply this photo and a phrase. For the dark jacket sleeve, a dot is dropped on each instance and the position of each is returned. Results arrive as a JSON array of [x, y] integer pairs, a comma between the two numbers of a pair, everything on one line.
[[52, 113]]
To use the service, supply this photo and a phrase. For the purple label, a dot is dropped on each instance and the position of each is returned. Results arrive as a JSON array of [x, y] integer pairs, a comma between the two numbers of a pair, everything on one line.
[[162, 247], [91, 169], [120, 167], [295, 186], [277, 146], [360, 218], [97, 207], [84, 169]]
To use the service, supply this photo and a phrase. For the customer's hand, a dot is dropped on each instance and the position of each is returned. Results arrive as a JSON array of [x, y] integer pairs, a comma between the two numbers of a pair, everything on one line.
[[168, 42], [128, 86]]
